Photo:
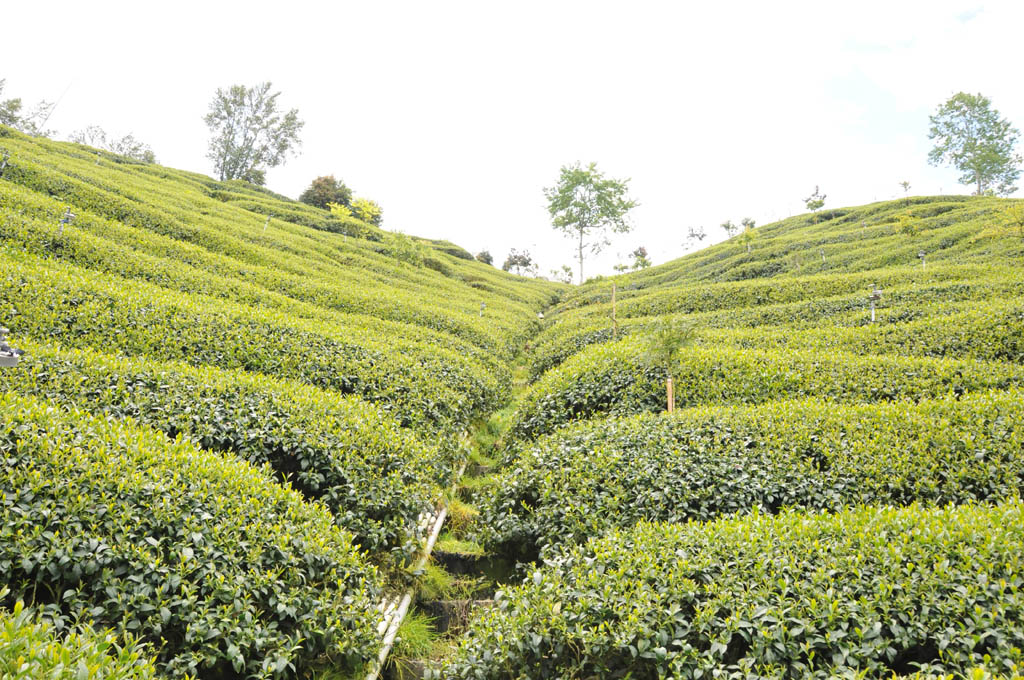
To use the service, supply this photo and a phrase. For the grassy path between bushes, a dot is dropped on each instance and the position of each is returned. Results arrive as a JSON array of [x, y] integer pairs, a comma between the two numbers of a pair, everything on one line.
[[460, 577]]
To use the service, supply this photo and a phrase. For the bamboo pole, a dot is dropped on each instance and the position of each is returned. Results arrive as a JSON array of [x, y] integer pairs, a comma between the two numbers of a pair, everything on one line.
[[394, 621], [615, 321], [671, 396]]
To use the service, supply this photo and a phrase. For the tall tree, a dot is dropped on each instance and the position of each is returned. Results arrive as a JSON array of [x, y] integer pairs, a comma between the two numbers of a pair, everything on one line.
[[815, 202], [95, 136], [521, 262], [585, 204], [970, 135], [30, 122], [324, 190], [249, 133]]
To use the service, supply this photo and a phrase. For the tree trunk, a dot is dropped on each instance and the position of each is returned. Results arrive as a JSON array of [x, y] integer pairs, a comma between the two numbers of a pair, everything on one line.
[[581, 256]]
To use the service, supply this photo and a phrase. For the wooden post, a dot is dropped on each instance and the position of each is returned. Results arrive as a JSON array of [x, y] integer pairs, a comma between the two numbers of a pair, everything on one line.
[[671, 396], [615, 321]]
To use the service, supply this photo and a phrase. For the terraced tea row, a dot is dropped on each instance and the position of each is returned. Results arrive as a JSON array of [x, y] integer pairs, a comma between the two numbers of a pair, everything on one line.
[[969, 302], [204, 556], [869, 592], [612, 379], [374, 477], [423, 384], [707, 462], [162, 219]]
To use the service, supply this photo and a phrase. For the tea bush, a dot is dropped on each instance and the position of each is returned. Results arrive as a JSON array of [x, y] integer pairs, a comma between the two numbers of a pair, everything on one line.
[[224, 571], [868, 592], [31, 648], [609, 379], [699, 464], [375, 478]]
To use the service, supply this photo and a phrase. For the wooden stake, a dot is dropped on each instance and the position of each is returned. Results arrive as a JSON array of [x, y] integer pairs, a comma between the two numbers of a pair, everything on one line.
[[615, 321], [671, 396]]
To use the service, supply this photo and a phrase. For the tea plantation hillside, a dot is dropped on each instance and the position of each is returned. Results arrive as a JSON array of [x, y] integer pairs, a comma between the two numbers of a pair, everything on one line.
[[234, 410], [837, 493], [237, 416]]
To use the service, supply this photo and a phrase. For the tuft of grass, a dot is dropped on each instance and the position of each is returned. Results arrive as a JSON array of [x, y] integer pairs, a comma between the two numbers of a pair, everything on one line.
[[449, 543], [460, 516], [416, 637], [434, 584]]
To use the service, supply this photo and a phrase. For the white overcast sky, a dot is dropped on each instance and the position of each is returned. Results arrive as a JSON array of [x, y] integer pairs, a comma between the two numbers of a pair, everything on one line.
[[455, 115]]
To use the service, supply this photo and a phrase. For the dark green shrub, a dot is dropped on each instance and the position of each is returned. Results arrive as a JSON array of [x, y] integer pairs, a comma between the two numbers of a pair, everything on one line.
[[703, 463], [610, 379], [227, 573], [870, 592], [374, 477]]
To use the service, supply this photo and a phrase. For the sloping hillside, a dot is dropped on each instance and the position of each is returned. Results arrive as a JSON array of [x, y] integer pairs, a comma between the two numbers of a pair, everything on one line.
[[751, 533], [321, 353], [236, 414]]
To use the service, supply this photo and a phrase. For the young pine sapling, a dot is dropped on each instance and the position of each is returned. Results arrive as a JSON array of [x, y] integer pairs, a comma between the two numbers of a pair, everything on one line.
[[662, 344]]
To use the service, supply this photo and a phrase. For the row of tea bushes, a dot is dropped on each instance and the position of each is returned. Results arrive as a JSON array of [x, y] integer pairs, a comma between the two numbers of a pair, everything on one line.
[[29, 221], [699, 464], [224, 571], [595, 300], [31, 648], [869, 592], [569, 335], [990, 331], [170, 214], [611, 379], [374, 477], [425, 386], [950, 229]]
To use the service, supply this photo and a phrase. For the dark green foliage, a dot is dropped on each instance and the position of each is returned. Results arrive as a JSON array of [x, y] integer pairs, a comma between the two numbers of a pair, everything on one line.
[[72, 306], [326, 190], [701, 464], [374, 478], [865, 593], [227, 573], [610, 379]]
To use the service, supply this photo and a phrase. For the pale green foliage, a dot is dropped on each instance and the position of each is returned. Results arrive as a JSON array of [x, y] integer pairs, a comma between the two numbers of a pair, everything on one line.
[[403, 247], [368, 211], [339, 209], [1015, 216], [907, 225], [30, 647], [249, 133], [586, 204], [729, 228], [815, 201], [971, 136], [31, 122], [664, 340], [748, 231], [95, 136]]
